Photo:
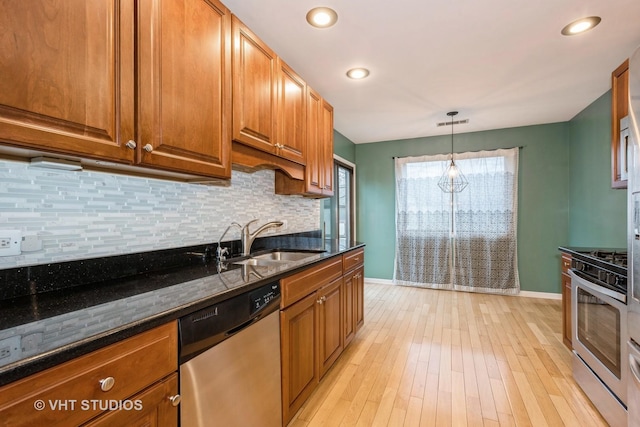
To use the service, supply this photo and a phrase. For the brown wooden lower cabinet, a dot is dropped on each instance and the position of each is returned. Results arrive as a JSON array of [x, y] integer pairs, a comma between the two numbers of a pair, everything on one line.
[[330, 333], [81, 390], [151, 408], [349, 323], [358, 297], [298, 336], [322, 308]]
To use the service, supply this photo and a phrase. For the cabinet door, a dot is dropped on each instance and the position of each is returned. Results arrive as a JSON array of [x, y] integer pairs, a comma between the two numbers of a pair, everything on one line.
[[184, 86], [298, 325], [292, 115], [326, 149], [255, 85], [358, 291], [619, 109], [566, 310], [330, 326], [349, 308], [314, 119], [67, 77], [150, 408]]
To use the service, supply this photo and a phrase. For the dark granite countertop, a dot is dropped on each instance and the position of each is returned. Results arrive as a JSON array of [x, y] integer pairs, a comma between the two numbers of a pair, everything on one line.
[[46, 329]]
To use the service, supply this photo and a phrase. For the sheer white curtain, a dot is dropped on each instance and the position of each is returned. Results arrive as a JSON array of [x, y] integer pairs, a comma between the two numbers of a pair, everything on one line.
[[465, 241]]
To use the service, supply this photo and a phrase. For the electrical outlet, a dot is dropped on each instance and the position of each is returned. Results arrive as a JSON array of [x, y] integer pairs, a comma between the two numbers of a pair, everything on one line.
[[10, 350], [10, 241]]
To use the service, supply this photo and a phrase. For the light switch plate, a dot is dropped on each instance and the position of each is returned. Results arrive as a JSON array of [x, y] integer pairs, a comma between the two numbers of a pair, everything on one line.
[[10, 241]]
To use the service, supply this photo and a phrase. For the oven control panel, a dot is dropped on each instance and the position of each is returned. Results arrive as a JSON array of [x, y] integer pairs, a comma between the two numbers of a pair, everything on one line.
[[600, 274]]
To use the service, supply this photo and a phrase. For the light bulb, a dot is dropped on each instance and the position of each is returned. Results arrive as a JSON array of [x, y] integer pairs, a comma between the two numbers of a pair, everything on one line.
[[453, 172]]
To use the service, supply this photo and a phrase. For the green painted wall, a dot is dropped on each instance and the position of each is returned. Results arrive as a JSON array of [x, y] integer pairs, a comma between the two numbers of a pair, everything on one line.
[[543, 194], [343, 147], [565, 195], [597, 213]]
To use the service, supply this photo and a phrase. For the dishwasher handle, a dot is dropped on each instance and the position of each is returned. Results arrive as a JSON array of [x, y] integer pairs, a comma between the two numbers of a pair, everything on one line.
[[242, 326]]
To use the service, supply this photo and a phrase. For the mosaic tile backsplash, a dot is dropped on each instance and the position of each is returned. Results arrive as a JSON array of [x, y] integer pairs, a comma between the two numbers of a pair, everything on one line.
[[90, 214]]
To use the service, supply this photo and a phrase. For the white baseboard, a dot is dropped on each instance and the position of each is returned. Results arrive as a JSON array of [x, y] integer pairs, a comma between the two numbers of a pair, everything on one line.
[[526, 294]]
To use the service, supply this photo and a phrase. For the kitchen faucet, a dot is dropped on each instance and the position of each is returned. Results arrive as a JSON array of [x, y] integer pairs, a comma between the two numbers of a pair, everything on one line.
[[248, 237]]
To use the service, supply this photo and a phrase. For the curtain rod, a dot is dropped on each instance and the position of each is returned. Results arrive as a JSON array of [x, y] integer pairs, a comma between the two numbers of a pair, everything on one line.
[[476, 151]]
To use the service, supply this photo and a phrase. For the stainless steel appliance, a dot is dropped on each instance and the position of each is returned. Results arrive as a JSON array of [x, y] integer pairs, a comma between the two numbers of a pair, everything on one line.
[[633, 235], [599, 330], [230, 362]]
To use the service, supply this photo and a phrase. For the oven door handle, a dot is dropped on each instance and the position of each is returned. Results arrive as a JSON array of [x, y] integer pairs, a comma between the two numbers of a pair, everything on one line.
[[597, 289]]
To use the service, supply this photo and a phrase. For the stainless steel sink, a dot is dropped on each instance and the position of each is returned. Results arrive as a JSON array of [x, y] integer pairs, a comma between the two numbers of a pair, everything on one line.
[[285, 256], [277, 258], [258, 262]]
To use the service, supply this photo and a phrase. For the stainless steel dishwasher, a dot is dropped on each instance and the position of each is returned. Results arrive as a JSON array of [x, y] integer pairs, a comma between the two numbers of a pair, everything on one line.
[[230, 362]]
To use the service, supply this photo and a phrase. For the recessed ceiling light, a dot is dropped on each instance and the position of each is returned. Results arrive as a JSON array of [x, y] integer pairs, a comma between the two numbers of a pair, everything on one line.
[[580, 26], [322, 17], [357, 73]]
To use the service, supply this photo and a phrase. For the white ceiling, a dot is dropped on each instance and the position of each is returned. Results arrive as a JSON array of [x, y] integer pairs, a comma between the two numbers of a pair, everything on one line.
[[501, 63]]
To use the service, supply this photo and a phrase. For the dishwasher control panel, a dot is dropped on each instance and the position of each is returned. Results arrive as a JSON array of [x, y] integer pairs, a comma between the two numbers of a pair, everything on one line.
[[261, 297]]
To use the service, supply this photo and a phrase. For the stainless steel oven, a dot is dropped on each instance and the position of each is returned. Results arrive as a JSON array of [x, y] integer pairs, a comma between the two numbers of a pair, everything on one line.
[[599, 332]]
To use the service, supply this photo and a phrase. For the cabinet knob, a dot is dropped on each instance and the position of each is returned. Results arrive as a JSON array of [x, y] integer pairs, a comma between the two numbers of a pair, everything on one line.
[[175, 400], [148, 148], [319, 301], [279, 145], [131, 144], [107, 384]]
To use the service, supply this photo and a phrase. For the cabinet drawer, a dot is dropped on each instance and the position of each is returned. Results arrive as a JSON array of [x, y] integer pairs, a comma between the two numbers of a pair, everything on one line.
[[352, 259], [302, 284], [133, 364], [565, 263]]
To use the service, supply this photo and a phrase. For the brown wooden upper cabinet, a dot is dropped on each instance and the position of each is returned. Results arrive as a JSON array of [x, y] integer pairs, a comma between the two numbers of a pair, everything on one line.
[[292, 114], [69, 82], [619, 139], [268, 98], [184, 60], [67, 77], [318, 180]]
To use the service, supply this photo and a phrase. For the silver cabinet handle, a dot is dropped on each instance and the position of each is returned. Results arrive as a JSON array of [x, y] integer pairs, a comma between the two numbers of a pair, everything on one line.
[[148, 148], [175, 400], [107, 384], [131, 144]]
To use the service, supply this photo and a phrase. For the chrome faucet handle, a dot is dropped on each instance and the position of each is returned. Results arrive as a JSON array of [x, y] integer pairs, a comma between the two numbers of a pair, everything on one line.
[[221, 252]]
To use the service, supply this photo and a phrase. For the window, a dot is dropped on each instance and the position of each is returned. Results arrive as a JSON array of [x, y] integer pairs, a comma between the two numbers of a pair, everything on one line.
[[463, 241], [339, 210]]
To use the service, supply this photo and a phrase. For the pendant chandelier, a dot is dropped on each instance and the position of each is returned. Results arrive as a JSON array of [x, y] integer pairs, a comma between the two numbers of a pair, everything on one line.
[[452, 180]]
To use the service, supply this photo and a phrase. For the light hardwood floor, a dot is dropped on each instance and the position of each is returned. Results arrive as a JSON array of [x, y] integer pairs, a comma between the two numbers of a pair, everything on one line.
[[443, 358]]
